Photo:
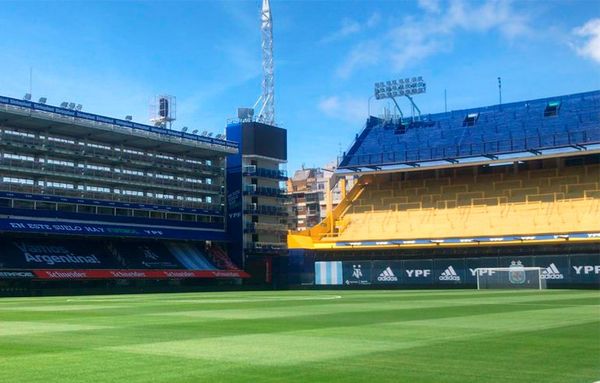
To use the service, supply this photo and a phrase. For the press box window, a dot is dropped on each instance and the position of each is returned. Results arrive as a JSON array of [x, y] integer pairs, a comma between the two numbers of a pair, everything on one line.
[[552, 109], [470, 119]]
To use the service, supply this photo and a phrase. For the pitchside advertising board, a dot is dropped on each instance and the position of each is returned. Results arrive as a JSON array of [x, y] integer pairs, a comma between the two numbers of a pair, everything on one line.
[[556, 270]]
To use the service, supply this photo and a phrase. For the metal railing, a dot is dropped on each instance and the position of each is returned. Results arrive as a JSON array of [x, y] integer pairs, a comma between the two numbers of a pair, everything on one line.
[[79, 150], [45, 170], [512, 145], [34, 192], [252, 170], [83, 118]]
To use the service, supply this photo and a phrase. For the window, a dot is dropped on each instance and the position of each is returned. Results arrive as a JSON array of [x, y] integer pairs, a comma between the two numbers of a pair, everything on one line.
[[97, 167], [98, 146], [133, 172], [97, 189], [17, 133], [13, 180], [18, 157], [551, 109], [133, 192], [59, 185], [63, 140], [471, 119], [58, 162]]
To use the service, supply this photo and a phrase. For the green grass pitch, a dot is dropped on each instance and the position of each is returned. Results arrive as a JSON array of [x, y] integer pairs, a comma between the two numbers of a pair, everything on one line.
[[304, 336]]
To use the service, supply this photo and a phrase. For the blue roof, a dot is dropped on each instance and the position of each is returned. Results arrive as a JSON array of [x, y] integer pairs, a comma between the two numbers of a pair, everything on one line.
[[493, 130]]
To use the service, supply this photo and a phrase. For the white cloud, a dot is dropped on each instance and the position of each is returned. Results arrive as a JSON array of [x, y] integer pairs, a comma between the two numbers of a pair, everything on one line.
[[350, 27], [588, 36], [417, 37], [430, 5], [344, 108]]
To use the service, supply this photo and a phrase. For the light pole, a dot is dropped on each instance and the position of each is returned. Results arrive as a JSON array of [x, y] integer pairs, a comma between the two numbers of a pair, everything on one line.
[[369, 105]]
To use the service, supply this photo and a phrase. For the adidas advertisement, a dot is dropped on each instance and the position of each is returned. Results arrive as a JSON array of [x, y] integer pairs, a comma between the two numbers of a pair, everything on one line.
[[357, 273], [552, 272], [449, 270], [386, 273], [449, 275], [555, 270]]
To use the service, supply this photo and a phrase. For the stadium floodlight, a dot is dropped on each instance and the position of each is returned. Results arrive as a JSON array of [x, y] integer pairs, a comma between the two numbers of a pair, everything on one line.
[[406, 87], [195, 131], [71, 105], [27, 97], [205, 133], [42, 100], [210, 134], [129, 117], [64, 104], [184, 129], [79, 107]]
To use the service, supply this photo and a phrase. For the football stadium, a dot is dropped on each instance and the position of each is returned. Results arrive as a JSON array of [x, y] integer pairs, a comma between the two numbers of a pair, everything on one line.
[[455, 246]]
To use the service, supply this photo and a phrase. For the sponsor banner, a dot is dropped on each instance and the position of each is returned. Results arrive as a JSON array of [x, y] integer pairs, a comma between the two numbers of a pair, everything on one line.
[[449, 271], [585, 269], [329, 273], [555, 269], [137, 274], [479, 265], [357, 273], [386, 273], [417, 271], [16, 274], [36, 254], [70, 228]]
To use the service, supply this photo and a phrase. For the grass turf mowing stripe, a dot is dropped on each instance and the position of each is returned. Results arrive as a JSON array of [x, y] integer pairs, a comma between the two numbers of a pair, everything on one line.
[[450, 336]]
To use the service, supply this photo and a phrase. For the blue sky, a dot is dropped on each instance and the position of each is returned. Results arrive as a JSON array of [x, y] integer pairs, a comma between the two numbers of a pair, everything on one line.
[[113, 57]]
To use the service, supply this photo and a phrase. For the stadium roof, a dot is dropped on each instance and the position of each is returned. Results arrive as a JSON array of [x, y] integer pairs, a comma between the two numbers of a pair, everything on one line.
[[548, 127], [61, 121]]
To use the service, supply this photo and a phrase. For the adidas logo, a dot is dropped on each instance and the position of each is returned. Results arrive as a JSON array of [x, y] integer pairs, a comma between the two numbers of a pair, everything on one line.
[[552, 272], [387, 275], [449, 275]]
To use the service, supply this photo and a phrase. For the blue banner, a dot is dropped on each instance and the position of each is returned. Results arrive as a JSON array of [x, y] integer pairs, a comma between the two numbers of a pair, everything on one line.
[[387, 273], [556, 270], [449, 271], [82, 228], [417, 271]]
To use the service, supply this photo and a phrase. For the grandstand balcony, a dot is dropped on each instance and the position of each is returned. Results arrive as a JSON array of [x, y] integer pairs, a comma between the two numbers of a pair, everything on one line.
[[262, 247], [256, 209], [12, 139], [258, 227], [493, 132], [253, 171], [555, 199], [110, 177], [253, 190], [58, 120]]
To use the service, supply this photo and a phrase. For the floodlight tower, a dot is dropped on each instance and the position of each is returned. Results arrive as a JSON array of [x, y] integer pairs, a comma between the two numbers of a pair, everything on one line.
[[398, 88], [267, 111]]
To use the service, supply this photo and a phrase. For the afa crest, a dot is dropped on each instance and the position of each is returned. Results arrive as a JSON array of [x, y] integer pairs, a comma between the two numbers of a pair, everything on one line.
[[516, 273]]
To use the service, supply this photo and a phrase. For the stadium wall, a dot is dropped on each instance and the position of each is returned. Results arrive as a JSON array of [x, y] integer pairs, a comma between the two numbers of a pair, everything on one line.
[[580, 270]]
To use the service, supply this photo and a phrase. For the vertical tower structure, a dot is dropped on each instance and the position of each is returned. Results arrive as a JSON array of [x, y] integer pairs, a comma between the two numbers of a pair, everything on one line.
[[267, 112]]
